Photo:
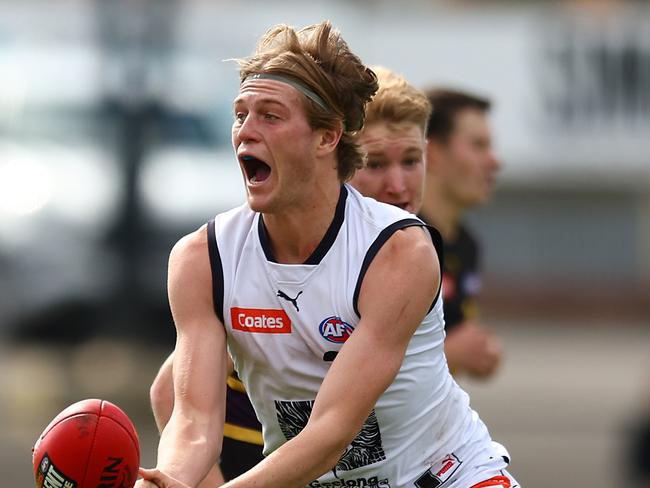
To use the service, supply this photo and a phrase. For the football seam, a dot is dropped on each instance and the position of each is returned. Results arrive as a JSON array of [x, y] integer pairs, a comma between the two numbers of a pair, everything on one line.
[[92, 444], [136, 442], [135, 439]]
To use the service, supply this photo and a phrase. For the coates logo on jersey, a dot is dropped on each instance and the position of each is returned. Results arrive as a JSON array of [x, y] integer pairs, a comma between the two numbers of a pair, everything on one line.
[[335, 330], [260, 320]]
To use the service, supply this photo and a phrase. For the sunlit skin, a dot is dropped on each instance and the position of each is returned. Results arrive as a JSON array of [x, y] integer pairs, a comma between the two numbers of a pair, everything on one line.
[[394, 172], [289, 169]]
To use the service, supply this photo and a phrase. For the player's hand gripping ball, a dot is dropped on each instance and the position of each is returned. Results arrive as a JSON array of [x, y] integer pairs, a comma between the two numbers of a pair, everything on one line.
[[91, 443]]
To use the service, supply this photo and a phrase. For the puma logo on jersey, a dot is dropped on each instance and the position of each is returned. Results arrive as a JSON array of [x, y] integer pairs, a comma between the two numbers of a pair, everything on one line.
[[260, 320], [335, 330], [294, 301], [440, 472]]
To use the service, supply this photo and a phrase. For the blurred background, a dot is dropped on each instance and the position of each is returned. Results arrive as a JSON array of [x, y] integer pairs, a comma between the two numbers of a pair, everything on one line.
[[114, 142]]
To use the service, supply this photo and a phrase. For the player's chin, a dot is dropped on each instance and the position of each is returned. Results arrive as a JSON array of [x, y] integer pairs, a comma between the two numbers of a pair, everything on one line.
[[403, 205], [484, 197], [410, 208], [260, 203]]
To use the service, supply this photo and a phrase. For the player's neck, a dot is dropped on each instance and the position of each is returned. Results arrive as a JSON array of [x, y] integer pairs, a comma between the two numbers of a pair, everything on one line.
[[442, 214], [295, 234]]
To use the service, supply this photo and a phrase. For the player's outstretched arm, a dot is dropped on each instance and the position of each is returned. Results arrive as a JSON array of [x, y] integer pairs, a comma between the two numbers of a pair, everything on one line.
[[161, 395], [396, 294], [191, 441]]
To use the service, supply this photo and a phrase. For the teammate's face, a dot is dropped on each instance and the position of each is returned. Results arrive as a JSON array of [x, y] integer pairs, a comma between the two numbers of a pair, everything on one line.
[[395, 170], [466, 163], [274, 143]]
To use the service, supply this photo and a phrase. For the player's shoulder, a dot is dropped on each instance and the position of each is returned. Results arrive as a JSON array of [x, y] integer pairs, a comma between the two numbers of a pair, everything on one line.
[[407, 260], [191, 249], [411, 243], [190, 242]]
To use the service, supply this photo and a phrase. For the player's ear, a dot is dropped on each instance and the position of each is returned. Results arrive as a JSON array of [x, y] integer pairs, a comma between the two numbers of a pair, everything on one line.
[[328, 139]]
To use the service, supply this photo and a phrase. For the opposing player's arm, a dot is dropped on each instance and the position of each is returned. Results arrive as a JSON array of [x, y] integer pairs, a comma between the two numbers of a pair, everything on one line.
[[396, 294], [191, 441], [472, 349]]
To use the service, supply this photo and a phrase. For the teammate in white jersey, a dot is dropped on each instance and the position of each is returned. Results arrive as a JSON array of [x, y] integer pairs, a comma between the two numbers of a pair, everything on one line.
[[323, 298]]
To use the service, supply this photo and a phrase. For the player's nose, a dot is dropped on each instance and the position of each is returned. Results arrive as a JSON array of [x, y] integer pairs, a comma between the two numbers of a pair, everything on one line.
[[493, 162], [394, 181], [246, 130]]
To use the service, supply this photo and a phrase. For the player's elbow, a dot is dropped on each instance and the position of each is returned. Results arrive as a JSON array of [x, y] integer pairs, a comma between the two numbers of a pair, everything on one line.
[[161, 395]]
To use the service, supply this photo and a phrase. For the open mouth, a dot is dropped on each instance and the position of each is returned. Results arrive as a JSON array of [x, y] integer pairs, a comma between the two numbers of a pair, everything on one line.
[[256, 169]]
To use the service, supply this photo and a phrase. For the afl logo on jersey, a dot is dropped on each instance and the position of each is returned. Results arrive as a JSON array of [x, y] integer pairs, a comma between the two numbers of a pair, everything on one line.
[[335, 330]]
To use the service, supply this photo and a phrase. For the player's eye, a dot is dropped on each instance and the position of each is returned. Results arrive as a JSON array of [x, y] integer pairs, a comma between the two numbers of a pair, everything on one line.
[[374, 165], [481, 144], [270, 116], [410, 162], [240, 117]]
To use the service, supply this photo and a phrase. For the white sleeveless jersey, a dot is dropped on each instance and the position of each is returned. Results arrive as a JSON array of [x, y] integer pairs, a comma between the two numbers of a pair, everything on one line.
[[286, 323]]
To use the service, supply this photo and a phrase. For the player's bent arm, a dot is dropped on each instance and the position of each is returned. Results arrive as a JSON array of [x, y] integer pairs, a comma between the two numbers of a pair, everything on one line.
[[191, 441], [396, 294]]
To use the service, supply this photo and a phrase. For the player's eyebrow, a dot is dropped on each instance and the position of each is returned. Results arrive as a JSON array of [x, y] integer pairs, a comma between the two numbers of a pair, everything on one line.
[[263, 102], [414, 151]]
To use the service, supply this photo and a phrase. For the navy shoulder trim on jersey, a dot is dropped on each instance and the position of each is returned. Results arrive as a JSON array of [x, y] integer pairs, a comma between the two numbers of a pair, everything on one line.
[[381, 239], [325, 244], [436, 237], [217, 271], [264, 240], [333, 230]]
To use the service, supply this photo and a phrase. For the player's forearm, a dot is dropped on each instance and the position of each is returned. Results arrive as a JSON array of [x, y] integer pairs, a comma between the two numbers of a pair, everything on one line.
[[298, 462], [187, 450]]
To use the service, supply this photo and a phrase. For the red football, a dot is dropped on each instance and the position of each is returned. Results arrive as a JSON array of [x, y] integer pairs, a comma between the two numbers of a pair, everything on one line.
[[90, 444]]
